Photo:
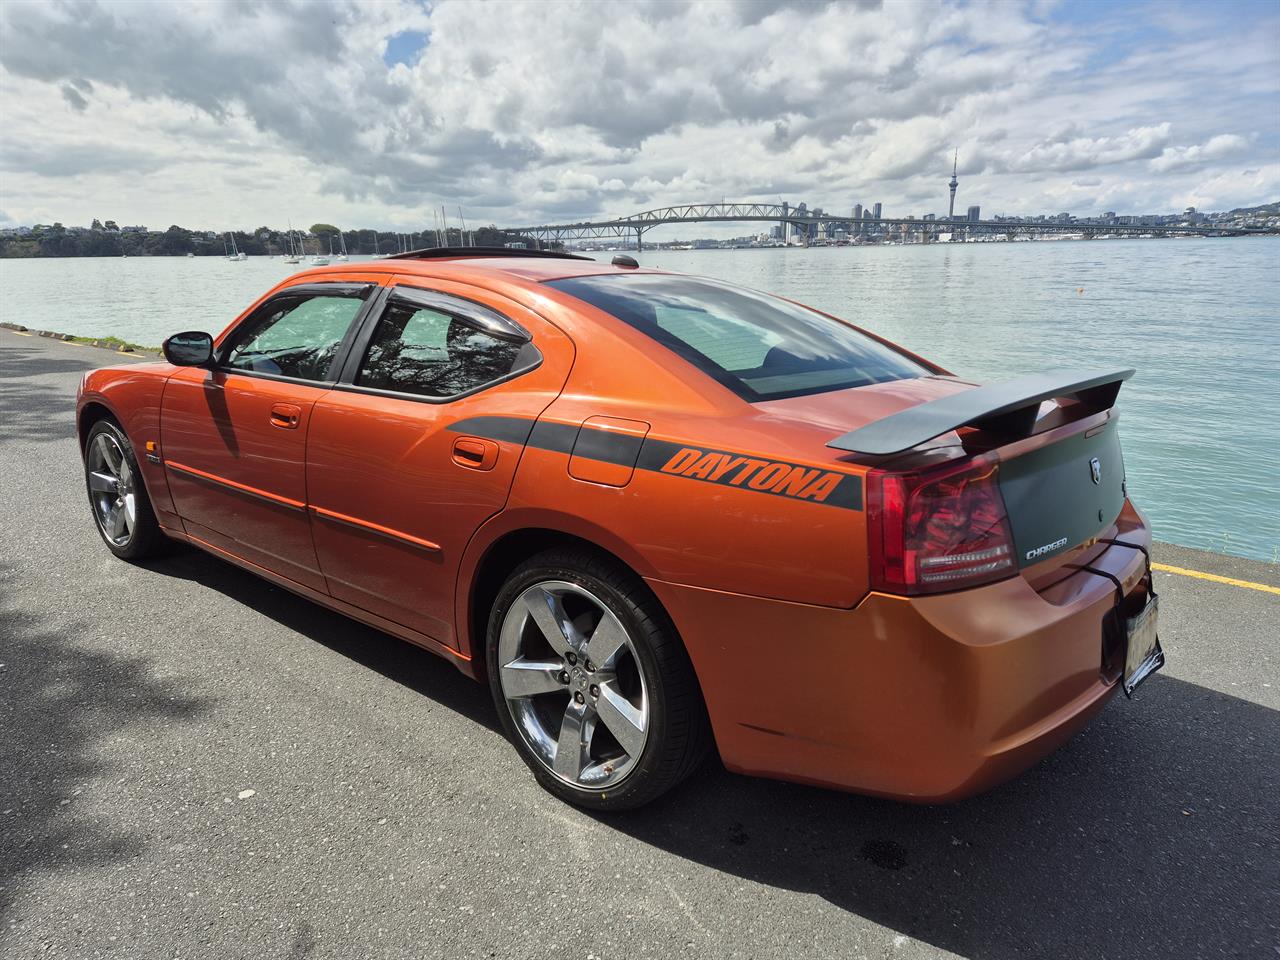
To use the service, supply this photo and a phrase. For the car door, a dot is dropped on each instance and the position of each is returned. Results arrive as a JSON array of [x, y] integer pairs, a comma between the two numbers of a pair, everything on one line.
[[233, 437], [396, 484]]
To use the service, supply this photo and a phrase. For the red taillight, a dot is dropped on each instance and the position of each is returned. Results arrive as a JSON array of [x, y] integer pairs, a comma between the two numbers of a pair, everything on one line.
[[937, 530]]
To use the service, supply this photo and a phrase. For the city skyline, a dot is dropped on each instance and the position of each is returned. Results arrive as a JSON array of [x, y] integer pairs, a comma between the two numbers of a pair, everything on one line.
[[860, 220], [808, 227], [373, 114]]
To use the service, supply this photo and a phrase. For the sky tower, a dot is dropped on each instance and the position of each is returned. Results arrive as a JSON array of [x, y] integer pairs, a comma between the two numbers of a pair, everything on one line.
[[951, 210]]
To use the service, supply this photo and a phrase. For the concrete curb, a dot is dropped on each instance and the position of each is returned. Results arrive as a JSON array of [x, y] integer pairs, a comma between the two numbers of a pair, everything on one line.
[[129, 350]]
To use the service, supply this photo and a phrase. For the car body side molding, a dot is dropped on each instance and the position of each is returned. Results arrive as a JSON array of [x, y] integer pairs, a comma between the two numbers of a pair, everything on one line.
[[1007, 409]]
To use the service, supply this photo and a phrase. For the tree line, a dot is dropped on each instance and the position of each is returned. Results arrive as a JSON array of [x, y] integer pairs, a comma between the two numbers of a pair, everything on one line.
[[108, 240]]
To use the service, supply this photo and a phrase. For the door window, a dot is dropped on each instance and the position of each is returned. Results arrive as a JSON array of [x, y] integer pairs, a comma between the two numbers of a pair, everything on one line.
[[431, 353], [294, 336]]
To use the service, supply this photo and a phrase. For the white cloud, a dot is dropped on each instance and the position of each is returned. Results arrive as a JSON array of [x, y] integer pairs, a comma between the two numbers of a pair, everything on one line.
[[1223, 145], [1222, 189], [1086, 153], [208, 113]]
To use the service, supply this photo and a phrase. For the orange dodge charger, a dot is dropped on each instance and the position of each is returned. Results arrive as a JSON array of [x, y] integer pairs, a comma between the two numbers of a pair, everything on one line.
[[655, 513]]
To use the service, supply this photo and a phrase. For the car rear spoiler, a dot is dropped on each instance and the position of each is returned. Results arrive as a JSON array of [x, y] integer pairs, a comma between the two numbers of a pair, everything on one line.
[[1006, 409]]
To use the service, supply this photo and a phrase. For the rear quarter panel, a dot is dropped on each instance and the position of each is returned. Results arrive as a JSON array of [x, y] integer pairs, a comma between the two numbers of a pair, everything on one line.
[[739, 521], [693, 517]]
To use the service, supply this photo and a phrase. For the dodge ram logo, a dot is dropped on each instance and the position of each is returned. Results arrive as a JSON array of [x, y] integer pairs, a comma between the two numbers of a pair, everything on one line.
[[1095, 469]]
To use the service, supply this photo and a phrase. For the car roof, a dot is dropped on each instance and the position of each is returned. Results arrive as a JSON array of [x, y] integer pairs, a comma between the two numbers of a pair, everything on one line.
[[532, 269]]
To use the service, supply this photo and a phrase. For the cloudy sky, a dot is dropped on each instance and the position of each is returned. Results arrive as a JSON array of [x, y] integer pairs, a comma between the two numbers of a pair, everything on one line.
[[240, 113]]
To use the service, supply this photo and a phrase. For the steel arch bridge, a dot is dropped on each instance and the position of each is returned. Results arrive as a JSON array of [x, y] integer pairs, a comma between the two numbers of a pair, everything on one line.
[[637, 224]]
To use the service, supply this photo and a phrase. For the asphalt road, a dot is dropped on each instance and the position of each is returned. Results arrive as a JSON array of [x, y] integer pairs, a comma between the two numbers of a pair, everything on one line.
[[194, 763]]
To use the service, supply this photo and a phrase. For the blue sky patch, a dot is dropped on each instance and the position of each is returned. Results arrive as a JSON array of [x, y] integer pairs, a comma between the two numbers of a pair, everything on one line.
[[406, 48]]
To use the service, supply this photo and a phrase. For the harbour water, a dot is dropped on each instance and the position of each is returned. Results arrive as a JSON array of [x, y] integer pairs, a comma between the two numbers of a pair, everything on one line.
[[1199, 319]]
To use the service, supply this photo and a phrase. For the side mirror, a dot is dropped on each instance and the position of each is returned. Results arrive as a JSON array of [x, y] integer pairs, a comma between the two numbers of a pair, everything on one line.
[[190, 349]]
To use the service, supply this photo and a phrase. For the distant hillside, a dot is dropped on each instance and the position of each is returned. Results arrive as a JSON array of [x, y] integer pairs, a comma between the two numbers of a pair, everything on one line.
[[1266, 210]]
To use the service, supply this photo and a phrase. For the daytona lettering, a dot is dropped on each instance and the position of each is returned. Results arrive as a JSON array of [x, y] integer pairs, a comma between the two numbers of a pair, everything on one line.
[[768, 476]]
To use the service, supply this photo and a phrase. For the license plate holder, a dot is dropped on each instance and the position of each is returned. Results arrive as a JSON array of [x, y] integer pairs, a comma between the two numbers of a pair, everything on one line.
[[1143, 653]]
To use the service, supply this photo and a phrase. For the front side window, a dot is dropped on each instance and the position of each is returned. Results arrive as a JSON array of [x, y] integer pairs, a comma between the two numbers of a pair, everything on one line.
[[294, 336], [760, 347], [432, 353]]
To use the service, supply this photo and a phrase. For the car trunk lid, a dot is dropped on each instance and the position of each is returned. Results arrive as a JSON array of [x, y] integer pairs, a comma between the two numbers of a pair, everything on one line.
[[1063, 492], [971, 484]]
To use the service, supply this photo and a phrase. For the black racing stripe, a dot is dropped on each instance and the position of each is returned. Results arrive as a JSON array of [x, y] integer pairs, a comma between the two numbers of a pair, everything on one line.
[[646, 453], [557, 437], [510, 429], [608, 446], [541, 434]]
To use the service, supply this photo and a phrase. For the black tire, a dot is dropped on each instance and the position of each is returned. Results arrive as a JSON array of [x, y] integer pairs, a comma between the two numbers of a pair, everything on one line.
[[679, 733], [144, 537]]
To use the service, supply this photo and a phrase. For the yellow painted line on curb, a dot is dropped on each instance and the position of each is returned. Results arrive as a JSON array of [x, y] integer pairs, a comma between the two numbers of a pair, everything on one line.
[[21, 334], [1230, 581]]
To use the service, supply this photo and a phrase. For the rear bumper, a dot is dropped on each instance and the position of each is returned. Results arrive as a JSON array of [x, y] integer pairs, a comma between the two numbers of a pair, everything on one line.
[[928, 699]]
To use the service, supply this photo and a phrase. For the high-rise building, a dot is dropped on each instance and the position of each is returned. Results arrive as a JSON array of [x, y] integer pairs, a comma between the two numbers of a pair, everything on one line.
[[875, 211], [857, 218], [975, 214], [951, 210]]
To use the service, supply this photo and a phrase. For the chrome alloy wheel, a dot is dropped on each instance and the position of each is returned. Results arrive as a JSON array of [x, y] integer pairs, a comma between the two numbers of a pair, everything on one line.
[[111, 489], [573, 684]]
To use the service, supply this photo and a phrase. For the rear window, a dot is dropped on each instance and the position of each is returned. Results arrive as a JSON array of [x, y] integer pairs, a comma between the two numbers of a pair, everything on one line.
[[760, 347]]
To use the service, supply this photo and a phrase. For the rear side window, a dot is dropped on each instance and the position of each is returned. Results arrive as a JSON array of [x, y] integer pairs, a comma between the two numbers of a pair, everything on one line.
[[760, 347], [432, 353], [293, 336]]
